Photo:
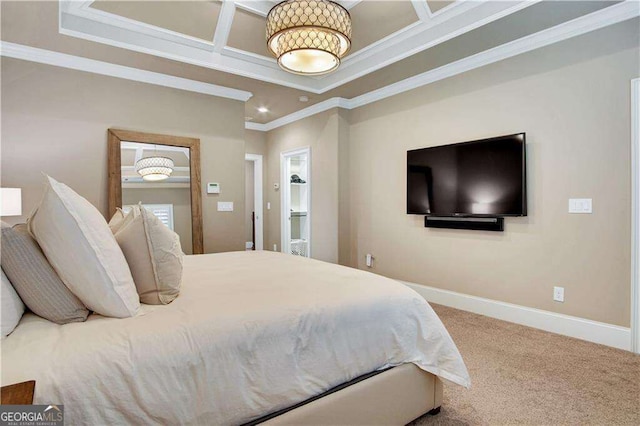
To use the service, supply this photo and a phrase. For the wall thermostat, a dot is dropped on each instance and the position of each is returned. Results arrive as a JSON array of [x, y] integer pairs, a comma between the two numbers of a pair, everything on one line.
[[213, 188]]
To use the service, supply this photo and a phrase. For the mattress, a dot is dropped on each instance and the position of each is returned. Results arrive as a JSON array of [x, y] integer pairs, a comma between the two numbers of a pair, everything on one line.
[[251, 333]]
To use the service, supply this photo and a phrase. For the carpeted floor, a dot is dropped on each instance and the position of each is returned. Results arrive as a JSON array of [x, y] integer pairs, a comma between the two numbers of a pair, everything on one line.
[[521, 375]]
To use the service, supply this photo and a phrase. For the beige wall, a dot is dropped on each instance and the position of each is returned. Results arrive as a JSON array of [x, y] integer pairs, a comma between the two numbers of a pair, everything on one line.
[[346, 252], [55, 120], [321, 133], [179, 198], [573, 101]]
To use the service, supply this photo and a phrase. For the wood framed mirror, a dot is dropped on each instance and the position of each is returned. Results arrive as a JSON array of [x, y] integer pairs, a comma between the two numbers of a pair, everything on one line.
[[175, 197]]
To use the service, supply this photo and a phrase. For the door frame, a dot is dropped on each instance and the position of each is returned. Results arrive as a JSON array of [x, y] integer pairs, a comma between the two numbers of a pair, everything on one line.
[[285, 231], [257, 198], [635, 215]]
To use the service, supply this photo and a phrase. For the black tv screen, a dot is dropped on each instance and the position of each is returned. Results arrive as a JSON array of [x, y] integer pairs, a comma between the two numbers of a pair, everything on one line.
[[483, 178]]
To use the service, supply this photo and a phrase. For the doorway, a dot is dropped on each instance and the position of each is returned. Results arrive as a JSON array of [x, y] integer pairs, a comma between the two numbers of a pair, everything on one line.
[[253, 202], [295, 181]]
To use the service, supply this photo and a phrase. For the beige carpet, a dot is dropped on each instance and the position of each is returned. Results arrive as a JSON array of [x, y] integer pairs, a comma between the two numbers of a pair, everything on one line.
[[525, 376]]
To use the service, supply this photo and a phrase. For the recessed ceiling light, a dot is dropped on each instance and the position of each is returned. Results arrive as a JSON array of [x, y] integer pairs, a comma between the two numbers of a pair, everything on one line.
[[303, 98], [263, 109]]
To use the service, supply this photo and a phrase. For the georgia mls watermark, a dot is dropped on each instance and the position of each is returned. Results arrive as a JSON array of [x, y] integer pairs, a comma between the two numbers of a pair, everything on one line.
[[31, 415]]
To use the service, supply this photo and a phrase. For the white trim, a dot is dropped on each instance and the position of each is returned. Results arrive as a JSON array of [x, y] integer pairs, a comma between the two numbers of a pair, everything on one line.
[[582, 25], [422, 9], [298, 115], [348, 4], [106, 28], [254, 58], [225, 20], [262, 7], [461, 19], [580, 328], [635, 215], [27, 53], [257, 7], [257, 197]]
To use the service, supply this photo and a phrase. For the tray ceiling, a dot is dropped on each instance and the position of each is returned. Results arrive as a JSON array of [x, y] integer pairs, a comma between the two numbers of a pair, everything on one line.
[[229, 36], [220, 45]]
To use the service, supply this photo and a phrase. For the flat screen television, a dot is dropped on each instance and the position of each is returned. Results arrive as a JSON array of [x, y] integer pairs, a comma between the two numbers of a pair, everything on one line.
[[483, 178]]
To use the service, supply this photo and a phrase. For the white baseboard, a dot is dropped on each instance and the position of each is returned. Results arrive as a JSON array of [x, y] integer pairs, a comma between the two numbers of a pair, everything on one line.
[[580, 328]]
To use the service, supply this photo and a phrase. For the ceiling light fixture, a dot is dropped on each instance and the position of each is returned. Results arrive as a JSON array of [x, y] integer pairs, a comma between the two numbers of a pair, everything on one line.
[[154, 168], [309, 37], [263, 109]]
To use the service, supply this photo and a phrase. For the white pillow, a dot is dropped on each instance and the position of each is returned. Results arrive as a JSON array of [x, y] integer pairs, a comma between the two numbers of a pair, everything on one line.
[[12, 307], [154, 255], [81, 248]]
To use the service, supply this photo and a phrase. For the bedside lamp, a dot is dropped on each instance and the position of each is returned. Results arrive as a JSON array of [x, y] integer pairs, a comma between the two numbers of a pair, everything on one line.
[[10, 202]]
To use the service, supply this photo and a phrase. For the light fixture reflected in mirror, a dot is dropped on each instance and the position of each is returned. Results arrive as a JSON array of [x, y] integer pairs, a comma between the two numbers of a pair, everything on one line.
[[154, 168]]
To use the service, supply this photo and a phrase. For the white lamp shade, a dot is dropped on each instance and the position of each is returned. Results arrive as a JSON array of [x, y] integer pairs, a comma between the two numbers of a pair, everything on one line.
[[10, 202]]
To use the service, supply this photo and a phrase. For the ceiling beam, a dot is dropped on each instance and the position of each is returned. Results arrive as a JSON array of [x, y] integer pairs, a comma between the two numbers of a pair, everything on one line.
[[422, 9], [259, 7], [262, 7], [223, 28]]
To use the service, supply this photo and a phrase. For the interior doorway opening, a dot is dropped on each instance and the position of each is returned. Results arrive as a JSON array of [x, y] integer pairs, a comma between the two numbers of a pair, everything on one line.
[[253, 202], [296, 202]]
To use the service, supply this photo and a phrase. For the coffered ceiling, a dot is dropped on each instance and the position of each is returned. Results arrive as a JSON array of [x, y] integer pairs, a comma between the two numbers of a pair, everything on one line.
[[229, 36], [222, 43]]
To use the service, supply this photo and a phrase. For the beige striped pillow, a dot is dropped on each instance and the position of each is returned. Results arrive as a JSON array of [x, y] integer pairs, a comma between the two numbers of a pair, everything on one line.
[[35, 280]]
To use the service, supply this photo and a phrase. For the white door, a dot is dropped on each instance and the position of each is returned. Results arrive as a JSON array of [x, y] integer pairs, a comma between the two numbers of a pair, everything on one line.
[[296, 202]]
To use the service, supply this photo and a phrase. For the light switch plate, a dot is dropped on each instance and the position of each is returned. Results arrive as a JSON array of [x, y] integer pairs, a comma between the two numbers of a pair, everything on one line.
[[225, 206], [580, 205]]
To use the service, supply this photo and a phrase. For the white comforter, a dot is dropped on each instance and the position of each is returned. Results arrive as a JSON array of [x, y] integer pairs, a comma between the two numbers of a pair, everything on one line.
[[251, 333]]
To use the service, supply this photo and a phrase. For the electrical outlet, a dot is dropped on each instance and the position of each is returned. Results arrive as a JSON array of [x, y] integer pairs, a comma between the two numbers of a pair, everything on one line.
[[558, 294], [369, 260], [275, 247], [580, 205]]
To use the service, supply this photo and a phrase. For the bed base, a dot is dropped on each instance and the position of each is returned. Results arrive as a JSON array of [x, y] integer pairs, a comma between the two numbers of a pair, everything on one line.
[[393, 397]]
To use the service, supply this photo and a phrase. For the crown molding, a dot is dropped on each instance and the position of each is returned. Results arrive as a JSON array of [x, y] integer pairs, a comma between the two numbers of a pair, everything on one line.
[[611, 15], [299, 115], [33, 54]]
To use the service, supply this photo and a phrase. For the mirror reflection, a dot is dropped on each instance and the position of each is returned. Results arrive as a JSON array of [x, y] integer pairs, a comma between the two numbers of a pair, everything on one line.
[[158, 177]]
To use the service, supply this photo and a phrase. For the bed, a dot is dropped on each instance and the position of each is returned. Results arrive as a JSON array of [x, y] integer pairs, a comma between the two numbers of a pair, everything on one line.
[[253, 337]]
